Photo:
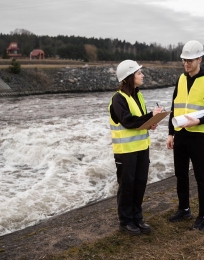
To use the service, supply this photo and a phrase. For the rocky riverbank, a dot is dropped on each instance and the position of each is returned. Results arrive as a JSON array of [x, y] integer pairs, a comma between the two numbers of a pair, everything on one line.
[[78, 79]]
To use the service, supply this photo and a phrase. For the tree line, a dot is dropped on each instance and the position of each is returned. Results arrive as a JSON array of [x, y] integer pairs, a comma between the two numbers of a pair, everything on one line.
[[88, 49]]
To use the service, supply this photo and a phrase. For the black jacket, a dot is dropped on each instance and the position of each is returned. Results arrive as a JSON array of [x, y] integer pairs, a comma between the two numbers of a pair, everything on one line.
[[190, 81], [120, 112]]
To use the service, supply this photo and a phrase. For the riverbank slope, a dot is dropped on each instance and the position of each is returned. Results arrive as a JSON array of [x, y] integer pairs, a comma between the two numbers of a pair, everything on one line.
[[72, 78]]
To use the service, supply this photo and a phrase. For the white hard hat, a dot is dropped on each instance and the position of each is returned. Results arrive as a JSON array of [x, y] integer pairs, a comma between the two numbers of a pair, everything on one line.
[[191, 50], [126, 68]]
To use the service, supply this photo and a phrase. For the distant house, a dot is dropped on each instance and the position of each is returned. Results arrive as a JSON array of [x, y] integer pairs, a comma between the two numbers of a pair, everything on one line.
[[13, 50], [37, 54]]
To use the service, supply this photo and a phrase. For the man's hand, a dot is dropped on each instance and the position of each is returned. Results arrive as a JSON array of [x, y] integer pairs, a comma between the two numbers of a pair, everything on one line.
[[170, 142], [191, 122]]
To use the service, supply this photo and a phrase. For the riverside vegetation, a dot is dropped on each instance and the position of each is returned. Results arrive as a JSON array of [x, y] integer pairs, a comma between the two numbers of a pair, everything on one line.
[[87, 49]]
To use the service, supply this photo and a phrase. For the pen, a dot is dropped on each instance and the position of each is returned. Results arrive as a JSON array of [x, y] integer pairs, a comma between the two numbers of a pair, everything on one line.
[[163, 109]]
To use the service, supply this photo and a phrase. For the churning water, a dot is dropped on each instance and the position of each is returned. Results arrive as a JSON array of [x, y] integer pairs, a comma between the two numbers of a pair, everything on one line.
[[56, 154]]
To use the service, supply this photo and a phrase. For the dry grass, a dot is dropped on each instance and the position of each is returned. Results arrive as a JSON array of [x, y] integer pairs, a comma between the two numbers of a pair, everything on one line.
[[39, 66], [167, 241], [48, 63]]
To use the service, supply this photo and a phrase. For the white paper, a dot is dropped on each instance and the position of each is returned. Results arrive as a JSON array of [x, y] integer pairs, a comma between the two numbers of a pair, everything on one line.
[[182, 120]]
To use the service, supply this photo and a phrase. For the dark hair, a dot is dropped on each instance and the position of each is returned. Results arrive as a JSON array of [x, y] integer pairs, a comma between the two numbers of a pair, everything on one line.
[[127, 85]]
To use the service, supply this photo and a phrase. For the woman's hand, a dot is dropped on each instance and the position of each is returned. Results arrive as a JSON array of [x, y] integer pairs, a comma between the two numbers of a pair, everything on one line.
[[157, 110]]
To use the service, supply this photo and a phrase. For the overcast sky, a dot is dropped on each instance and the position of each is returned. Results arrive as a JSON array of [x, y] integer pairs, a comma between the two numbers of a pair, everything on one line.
[[147, 21]]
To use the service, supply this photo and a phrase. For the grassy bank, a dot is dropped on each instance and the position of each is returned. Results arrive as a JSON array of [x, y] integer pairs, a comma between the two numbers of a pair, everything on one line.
[[166, 241]]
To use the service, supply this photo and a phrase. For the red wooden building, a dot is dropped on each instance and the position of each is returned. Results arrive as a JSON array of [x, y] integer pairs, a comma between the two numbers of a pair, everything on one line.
[[13, 50], [37, 54]]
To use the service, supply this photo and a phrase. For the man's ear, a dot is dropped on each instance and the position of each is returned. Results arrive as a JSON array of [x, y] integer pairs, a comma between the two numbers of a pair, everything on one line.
[[200, 59]]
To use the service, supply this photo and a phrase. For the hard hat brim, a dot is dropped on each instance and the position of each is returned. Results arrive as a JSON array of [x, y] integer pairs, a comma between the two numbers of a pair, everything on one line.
[[190, 56]]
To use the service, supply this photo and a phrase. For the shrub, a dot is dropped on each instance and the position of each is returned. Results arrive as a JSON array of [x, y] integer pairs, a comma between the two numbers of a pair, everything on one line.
[[15, 66], [5, 55], [8, 79]]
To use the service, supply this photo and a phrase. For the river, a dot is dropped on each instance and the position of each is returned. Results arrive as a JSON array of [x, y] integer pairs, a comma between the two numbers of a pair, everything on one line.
[[56, 154]]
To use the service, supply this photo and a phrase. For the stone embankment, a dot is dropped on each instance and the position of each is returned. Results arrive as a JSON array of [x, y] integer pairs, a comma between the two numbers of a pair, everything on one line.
[[78, 79]]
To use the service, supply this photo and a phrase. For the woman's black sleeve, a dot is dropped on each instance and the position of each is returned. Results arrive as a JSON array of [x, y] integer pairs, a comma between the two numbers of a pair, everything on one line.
[[120, 112]]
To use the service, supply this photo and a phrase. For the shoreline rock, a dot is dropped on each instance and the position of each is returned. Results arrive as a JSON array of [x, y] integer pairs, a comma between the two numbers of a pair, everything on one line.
[[76, 80]]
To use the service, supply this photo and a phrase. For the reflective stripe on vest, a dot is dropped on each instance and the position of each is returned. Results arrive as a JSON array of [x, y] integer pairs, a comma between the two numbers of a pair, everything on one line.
[[190, 106], [185, 102], [129, 140]]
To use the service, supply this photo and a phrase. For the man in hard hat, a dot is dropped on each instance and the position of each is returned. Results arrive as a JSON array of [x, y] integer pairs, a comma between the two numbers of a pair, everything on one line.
[[130, 146], [187, 141]]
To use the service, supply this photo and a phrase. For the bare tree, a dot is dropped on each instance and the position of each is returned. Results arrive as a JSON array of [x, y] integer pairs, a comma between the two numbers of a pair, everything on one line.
[[21, 32]]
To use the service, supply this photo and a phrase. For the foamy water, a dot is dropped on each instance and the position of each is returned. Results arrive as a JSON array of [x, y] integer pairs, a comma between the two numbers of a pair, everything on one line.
[[56, 154]]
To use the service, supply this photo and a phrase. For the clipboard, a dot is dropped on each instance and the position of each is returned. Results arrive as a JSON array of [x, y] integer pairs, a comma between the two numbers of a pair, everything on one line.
[[154, 120]]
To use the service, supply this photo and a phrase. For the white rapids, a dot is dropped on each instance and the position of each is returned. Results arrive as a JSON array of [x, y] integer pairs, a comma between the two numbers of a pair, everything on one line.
[[56, 154]]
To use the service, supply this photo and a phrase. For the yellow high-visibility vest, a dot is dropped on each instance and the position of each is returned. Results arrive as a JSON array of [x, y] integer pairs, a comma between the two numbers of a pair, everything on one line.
[[186, 102], [129, 140]]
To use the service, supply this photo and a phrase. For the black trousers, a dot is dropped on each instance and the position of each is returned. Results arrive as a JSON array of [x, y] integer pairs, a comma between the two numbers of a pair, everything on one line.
[[132, 174], [186, 149]]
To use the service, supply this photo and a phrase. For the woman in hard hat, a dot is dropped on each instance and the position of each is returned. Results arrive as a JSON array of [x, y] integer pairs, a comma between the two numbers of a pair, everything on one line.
[[130, 146], [187, 141]]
